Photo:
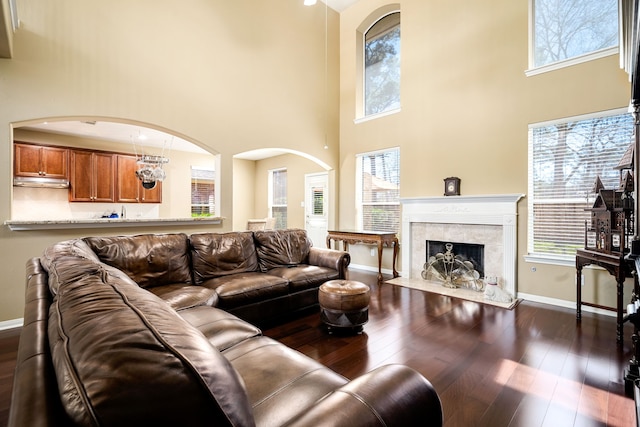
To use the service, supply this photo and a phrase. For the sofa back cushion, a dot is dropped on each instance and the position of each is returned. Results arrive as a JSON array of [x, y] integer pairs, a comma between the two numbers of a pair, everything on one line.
[[122, 356], [220, 254], [75, 247], [282, 248], [149, 259]]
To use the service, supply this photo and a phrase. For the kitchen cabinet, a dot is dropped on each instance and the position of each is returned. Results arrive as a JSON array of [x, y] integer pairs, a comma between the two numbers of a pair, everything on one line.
[[129, 188], [92, 176], [40, 161]]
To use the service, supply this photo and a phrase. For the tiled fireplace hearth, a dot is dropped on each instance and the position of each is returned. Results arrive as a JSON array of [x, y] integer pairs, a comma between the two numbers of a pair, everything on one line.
[[488, 220]]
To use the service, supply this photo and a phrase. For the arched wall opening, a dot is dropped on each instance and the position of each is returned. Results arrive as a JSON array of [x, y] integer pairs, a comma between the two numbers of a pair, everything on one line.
[[250, 185], [118, 136]]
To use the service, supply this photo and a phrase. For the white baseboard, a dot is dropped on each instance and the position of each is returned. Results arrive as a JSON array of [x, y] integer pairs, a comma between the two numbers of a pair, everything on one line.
[[373, 269], [564, 303], [11, 324]]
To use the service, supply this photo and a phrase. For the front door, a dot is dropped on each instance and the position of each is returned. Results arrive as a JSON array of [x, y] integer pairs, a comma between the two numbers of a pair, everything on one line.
[[317, 207]]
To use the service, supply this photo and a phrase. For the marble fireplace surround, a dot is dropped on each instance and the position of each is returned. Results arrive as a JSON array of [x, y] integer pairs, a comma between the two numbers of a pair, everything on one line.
[[486, 219]]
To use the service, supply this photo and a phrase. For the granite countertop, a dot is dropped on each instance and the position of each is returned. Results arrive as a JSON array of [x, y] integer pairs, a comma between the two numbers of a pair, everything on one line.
[[21, 225]]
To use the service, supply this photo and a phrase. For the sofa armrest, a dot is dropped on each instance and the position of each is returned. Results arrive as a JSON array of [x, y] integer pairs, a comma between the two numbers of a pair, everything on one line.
[[35, 396], [392, 395], [330, 258]]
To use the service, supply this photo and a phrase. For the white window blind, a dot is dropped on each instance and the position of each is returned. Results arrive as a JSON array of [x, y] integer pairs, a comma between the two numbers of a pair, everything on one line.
[[565, 158], [278, 197], [378, 190]]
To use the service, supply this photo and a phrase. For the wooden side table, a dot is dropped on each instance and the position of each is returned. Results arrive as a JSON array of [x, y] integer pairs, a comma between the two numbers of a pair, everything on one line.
[[378, 238], [618, 267]]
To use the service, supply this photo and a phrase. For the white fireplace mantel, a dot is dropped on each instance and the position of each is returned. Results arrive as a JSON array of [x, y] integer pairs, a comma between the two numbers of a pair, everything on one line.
[[500, 210]]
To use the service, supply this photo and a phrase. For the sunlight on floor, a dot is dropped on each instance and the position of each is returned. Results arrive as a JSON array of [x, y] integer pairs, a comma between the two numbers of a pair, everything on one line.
[[587, 400]]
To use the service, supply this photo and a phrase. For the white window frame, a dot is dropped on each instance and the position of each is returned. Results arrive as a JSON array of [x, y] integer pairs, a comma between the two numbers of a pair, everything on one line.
[[359, 188], [542, 257], [533, 70], [360, 46], [213, 202]]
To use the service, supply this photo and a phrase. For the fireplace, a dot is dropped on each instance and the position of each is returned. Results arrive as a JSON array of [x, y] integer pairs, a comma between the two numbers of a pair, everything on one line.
[[454, 265], [471, 252], [490, 221]]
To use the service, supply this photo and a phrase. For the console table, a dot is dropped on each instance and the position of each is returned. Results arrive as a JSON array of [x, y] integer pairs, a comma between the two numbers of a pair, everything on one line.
[[618, 267], [377, 238]]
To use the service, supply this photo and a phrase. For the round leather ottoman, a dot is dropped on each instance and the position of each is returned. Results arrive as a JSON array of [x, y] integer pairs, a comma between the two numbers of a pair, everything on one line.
[[344, 304]]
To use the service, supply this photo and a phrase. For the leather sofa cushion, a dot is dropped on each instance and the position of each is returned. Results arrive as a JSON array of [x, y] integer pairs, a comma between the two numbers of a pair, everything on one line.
[[222, 329], [75, 247], [282, 383], [246, 288], [221, 254], [281, 248], [183, 296], [303, 277], [148, 259], [121, 353]]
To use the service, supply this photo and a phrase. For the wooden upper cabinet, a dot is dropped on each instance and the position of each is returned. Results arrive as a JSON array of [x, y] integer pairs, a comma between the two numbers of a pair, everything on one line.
[[92, 176], [39, 161], [129, 188], [153, 195], [127, 182]]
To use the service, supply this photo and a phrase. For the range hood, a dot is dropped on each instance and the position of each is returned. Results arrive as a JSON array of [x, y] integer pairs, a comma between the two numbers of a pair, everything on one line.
[[21, 181]]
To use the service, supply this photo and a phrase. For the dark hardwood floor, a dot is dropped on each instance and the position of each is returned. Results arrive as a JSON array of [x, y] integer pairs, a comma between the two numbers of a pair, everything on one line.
[[531, 366], [8, 353]]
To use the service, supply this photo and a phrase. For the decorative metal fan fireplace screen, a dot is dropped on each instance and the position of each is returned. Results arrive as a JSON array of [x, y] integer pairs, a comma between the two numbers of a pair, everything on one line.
[[455, 265]]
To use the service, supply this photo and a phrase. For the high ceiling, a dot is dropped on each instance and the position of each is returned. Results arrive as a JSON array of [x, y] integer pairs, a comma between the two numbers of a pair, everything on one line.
[[120, 132], [340, 5]]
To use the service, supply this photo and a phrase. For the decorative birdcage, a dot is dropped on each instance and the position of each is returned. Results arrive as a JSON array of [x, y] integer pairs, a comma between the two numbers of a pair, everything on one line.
[[611, 227]]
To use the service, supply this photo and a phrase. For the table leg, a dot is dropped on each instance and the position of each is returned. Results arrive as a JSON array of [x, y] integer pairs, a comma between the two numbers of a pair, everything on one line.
[[380, 261], [328, 242], [619, 324], [395, 257], [578, 293]]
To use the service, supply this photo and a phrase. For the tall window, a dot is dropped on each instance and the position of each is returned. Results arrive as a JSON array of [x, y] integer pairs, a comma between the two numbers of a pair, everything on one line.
[[382, 65], [278, 197], [203, 192], [378, 190], [564, 29], [565, 158]]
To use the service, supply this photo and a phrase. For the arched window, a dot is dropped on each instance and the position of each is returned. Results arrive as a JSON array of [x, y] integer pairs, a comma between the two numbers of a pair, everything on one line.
[[381, 61]]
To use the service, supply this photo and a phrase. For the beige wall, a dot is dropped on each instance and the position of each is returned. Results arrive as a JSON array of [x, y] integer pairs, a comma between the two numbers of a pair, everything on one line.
[[231, 76], [244, 179], [466, 103], [296, 167]]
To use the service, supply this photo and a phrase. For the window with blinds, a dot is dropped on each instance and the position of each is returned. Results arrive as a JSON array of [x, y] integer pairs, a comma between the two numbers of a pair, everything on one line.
[[378, 190], [203, 187], [565, 158], [278, 197]]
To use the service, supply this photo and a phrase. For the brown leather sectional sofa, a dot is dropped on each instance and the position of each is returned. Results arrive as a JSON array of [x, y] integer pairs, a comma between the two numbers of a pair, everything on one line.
[[259, 276], [139, 330]]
